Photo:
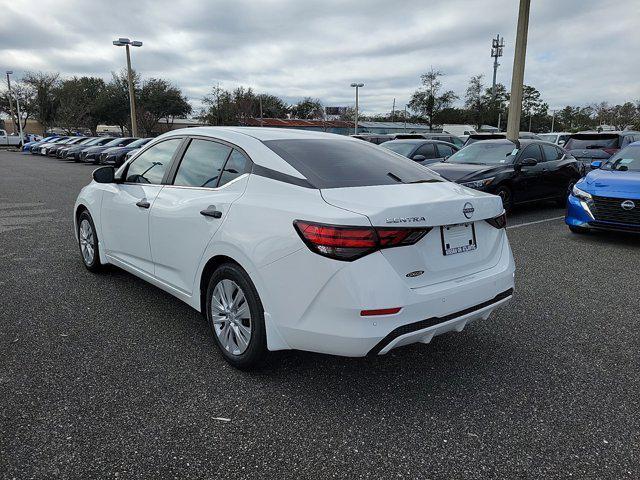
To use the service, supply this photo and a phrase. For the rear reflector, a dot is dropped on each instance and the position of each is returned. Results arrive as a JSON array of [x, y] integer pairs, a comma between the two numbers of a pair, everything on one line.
[[380, 311], [348, 243]]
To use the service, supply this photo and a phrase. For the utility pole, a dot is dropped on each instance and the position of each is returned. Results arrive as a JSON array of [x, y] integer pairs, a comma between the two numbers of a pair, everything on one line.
[[261, 121], [393, 111], [13, 119], [517, 77], [553, 120], [19, 122], [356, 86], [405, 118], [497, 45], [125, 42]]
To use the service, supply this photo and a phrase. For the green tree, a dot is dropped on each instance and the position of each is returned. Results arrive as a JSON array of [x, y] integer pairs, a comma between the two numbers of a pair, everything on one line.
[[272, 106], [474, 101], [535, 112], [308, 108], [159, 99], [45, 103], [113, 102], [26, 96], [428, 101], [78, 108], [219, 108]]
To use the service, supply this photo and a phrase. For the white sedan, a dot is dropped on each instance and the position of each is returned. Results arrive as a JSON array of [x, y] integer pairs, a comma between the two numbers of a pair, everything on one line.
[[286, 239]]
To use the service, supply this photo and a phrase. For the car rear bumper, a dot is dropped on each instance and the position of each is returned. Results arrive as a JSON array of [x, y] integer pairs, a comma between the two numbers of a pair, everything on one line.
[[328, 319]]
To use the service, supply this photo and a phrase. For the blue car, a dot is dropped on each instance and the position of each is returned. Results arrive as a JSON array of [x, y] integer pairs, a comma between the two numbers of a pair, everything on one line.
[[608, 197], [26, 148]]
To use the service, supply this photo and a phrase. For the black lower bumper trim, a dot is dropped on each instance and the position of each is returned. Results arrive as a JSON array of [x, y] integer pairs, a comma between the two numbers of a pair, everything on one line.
[[432, 322], [619, 227]]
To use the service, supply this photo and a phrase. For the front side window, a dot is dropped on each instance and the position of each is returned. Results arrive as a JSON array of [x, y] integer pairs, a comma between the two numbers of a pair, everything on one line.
[[427, 150], [201, 164], [533, 151], [151, 165]]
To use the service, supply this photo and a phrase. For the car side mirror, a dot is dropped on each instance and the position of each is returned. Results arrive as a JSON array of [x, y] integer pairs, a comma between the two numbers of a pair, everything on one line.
[[596, 164], [418, 158], [528, 162], [561, 142], [104, 175]]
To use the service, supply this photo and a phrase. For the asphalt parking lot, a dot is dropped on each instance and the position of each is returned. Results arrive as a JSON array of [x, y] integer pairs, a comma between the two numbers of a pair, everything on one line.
[[107, 376]]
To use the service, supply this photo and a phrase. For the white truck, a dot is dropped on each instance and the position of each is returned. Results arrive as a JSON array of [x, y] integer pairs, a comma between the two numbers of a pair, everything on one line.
[[462, 131], [9, 140]]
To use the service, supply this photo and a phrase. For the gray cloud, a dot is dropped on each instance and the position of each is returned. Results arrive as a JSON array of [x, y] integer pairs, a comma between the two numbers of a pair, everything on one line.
[[579, 51]]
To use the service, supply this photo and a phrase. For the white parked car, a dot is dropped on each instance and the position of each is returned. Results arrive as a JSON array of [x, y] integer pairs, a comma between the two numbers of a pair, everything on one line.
[[287, 239], [9, 140]]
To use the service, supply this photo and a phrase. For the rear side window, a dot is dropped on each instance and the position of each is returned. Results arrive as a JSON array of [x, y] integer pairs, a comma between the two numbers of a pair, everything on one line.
[[427, 150], [236, 166], [551, 152], [150, 165], [592, 142], [335, 163], [201, 164], [445, 150]]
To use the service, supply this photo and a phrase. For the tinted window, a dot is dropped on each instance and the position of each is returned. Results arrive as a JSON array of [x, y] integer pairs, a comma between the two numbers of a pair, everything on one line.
[[532, 151], [427, 150], [551, 152], [236, 166], [403, 148], [201, 164], [626, 140], [485, 153], [626, 159], [329, 163], [150, 165], [592, 141], [445, 150]]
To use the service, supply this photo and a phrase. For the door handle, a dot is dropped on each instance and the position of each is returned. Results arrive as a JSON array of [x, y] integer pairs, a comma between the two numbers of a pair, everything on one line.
[[211, 211], [143, 203]]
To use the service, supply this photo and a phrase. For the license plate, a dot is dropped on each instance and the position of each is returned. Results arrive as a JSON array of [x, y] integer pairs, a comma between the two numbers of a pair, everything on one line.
[[458, 238]]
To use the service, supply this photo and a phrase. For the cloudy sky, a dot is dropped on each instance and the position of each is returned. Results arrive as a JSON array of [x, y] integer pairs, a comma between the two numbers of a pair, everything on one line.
[[579, 51]]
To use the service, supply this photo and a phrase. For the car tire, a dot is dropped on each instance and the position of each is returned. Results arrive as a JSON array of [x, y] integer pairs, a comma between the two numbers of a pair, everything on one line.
[[88, 242], [236, 317], [507, 197], [578, 230]]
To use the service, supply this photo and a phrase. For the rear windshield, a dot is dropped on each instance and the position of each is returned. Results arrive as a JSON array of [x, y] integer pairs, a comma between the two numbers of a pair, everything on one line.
[[592, 142], [344, 163], [549, 137]]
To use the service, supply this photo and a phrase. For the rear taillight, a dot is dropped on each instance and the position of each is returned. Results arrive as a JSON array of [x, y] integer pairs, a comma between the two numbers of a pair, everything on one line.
[[610, 151], [499, 222], [350, 243]]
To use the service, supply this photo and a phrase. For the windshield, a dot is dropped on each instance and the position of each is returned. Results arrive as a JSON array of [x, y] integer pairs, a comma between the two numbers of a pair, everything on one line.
[[92, 141], [485, 153], [403, 148], [592, 142], [140, 142], [330, 163], [549, 137], [627, 159]]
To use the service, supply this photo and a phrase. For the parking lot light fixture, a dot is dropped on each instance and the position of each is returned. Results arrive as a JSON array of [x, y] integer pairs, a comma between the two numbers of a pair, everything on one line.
[[125, 42], [356, 86]]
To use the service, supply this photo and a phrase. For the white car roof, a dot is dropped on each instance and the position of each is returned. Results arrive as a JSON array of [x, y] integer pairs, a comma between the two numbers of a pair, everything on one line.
[[250, 140]]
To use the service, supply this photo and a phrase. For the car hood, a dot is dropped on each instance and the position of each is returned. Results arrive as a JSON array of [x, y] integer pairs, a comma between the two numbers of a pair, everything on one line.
[[611, 183], [465, 172]]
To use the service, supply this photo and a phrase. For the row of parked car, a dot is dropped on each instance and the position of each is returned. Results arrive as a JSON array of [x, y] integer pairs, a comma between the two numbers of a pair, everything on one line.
[[534, 168], [96, 150]]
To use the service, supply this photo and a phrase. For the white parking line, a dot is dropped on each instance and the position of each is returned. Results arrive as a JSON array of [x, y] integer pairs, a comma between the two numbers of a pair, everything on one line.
[[534, 222]]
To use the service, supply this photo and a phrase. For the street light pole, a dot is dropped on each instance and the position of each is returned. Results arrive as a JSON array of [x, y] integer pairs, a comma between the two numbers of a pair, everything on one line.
[[10, 72], [125, 42], [357, 86], [19, 122], [517, 77]]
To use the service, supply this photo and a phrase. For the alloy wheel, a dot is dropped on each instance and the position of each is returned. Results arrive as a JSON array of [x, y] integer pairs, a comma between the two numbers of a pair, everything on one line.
[[86, 241], [231, 317]]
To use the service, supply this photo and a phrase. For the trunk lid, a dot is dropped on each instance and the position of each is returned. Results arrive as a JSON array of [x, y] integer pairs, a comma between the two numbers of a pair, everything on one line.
[[428, 205]]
